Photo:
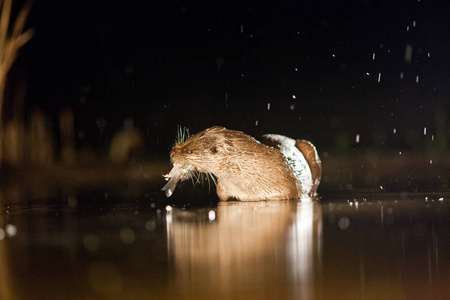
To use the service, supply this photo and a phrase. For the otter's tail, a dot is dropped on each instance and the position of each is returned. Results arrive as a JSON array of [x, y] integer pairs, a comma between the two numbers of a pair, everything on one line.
[[310, 153]]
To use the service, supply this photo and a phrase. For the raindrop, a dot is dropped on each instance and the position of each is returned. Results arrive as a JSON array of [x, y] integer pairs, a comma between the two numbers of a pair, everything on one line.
[[242, 28], [268, 106], [211, 215], [373, 56], [379, 77], [401, 75], [357, 138], [394, 131], [414, 23], [292, 107], [407, 28], [127, 236], [11, 230], [169, 208], [150, 225], [219, 62], [344, 222], [431, 161], [417, 79], [294, 97], [381, 187], [428, 54], [424, 131], [256, 123], [408, 53]]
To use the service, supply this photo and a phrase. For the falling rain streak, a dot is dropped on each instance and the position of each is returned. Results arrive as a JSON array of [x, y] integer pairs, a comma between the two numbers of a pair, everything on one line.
[[408, 53]]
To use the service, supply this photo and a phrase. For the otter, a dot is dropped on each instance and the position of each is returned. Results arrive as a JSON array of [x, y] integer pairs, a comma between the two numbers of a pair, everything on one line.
[[275, 168]]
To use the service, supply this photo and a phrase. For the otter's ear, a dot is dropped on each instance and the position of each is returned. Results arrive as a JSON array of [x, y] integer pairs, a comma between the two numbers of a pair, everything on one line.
[[214, 150]]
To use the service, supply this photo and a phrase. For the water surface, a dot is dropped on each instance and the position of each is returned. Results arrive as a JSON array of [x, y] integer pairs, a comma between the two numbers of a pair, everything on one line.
[[103, 245]]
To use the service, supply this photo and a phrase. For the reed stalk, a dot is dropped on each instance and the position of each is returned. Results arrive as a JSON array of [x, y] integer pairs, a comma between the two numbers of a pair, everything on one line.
[[11, 40]]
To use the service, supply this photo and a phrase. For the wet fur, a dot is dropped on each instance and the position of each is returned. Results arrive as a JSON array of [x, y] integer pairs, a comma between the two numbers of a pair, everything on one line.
[[245, 169]]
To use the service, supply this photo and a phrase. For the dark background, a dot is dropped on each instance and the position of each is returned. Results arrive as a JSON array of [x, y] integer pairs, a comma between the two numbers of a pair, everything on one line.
[[204, 63]]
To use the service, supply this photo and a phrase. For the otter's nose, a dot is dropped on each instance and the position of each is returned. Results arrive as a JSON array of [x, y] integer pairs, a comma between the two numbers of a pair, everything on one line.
[[172, 153]]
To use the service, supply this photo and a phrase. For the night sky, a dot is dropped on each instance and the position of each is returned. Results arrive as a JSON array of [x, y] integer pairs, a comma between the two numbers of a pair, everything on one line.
[[322, 70]]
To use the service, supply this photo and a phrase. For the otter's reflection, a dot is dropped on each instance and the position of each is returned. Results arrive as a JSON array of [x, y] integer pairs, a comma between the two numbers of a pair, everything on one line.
[[305, 247], [250, 249]]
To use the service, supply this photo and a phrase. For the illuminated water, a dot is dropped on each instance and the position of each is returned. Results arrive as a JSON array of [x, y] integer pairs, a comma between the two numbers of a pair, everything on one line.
[[105, 246]]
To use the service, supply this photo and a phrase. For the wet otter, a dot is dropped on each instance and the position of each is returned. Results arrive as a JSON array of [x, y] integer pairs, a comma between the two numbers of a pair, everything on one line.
[[245, 169]]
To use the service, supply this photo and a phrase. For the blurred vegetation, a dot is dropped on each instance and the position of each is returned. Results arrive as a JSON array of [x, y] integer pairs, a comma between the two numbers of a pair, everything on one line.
[[11, 40]]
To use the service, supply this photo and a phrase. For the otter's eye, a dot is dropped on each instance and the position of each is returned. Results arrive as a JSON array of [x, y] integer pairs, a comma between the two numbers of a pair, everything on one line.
[[214, 150], [189, 152]]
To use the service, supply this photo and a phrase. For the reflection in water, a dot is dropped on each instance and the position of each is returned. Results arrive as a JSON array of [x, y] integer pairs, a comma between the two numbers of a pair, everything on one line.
[[5, 276], [305, 242], [341, 249], [239, 253]]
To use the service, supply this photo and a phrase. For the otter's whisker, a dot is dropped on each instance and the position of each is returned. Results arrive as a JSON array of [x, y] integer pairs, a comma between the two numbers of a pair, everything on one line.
[[197, 178], [207, 179], [194, 178], [182, 135], [213, 178]]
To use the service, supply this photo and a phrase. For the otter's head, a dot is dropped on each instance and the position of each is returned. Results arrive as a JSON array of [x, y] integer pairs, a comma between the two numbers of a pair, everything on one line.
[[201, 151]]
